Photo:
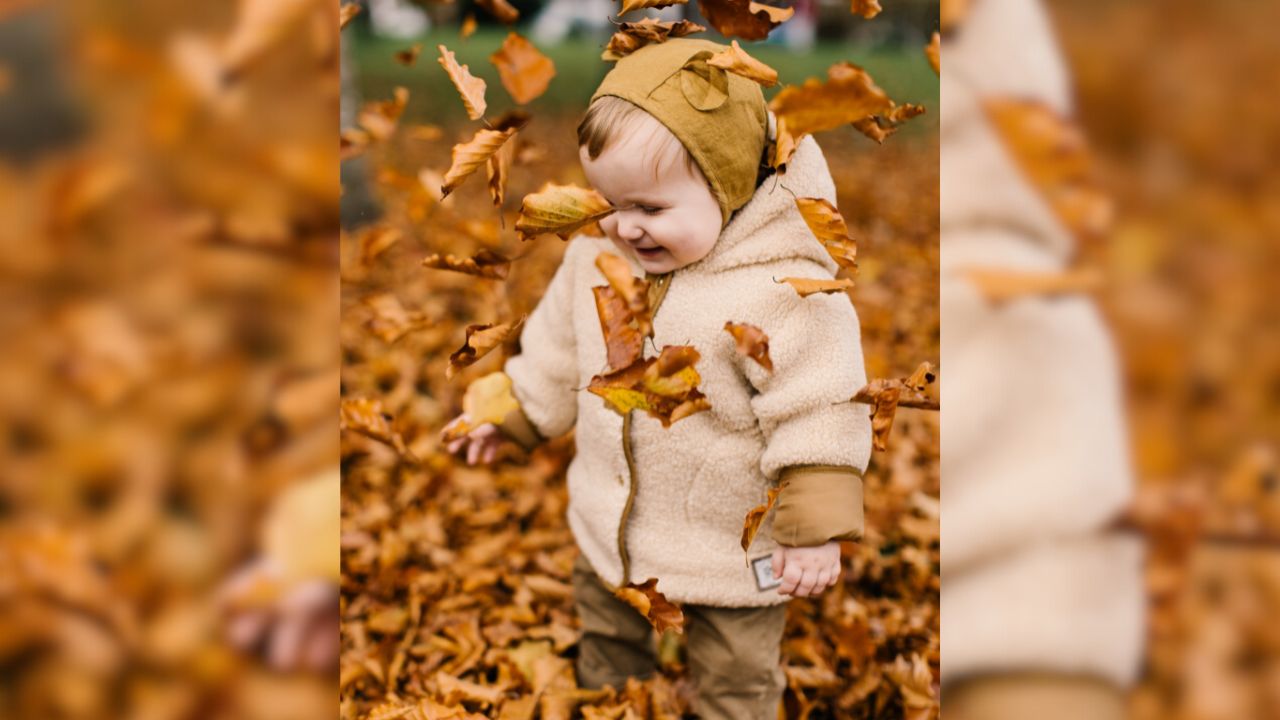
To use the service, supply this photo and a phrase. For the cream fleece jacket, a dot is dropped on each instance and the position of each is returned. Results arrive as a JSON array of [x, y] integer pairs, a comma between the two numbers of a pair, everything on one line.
[[696, 480], [1034, 448]]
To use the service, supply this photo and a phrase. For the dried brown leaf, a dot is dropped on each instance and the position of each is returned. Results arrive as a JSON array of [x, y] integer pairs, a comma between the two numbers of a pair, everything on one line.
[[742, 18], [737, 61], [755, 517], [751, 342], [485, 264], [470, 88], [560, 209], [653, 605], [848, 95], [809, 286], [481, 339], [524, 71], [470, 155], [829, 227], [632, 36]]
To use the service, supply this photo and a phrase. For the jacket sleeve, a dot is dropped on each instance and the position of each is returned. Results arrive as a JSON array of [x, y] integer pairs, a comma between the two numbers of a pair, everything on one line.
[[545, 373], [817, 442]]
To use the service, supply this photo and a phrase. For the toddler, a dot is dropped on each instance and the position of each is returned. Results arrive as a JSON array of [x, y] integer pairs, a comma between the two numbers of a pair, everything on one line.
[[678, 148]]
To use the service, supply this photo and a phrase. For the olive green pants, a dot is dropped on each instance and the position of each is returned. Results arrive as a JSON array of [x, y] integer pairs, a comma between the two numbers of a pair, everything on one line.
[[1040, 695], [733, 653]]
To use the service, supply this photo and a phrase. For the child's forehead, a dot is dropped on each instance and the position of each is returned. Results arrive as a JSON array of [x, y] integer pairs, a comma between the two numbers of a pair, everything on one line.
[[644, 149]]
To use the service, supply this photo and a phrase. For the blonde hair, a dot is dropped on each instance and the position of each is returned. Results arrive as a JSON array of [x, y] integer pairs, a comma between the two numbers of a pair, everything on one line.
[[609, 118]]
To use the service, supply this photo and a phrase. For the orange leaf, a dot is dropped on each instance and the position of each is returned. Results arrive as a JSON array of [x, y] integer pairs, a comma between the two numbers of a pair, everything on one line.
[[481, 339], [866, 8], [882, 413], [665, 387], [560, 209], [629, 5], [933, 51], [829, 227], [879, 127], [469, 156], [525, 72], [622, 341], [751, 342], [755, 517], [809, 286], [999, 285], [379, 118], [471, 88], [952, 12], [485, 264], [742, 18], [633, 290], [468, 26], [410, 56], [848, 95], [366, 417], [662, 614], [500, 10], [921, 377], [347, 13], [737, 61], [632, 36]]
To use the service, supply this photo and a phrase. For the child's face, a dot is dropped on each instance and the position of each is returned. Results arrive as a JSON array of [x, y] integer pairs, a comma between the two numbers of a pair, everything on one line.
[[666, 222]]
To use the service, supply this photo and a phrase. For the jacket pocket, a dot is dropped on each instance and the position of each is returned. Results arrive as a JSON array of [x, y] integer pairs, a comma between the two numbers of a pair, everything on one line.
[[727, 485]]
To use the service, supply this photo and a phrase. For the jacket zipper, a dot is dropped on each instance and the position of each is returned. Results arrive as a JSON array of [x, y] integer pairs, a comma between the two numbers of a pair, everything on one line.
[[657, 293]]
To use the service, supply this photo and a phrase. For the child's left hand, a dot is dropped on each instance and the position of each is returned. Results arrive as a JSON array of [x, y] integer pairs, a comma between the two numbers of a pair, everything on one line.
[[807, 571]]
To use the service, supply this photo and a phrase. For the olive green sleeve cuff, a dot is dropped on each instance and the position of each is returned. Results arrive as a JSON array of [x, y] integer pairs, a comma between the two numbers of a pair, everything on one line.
[[517, 426], [817, 504]]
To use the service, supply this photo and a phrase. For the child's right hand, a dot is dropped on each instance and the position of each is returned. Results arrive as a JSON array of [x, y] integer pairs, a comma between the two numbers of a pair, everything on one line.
[[481, 442]]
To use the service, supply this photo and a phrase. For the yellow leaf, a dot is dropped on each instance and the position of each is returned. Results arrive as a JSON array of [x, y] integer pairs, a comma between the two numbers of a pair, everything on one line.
[[469, 87], [560, 209]]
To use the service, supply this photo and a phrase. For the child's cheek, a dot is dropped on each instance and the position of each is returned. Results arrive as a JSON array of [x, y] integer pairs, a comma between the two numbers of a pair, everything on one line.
[[609, 225]]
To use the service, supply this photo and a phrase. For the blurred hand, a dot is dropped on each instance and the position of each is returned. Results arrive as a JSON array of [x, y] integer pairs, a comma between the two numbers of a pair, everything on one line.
[[807, 571], [481, 442], [297, 630]]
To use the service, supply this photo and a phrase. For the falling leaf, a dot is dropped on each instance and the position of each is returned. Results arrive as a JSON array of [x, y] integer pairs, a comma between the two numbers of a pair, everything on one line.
[[879, 127], [560, 209], [347, 13], [848, 95], [410, 56], [866, 8], [653, 605], [1001, 285], [933, 51], [469, 87], [886, 405], [665, 387], [524, 71], [809, 286], [485, 264], [742, 18], [468, 26], [630, 5], [1051, 150], [379, 118], [352, 142], [632, 36], [751, 342], [623, 342], [481, 339], [737, 61], [755, 517], [829, 227], [470, 155], [632, 289], [376, 240], [952, 12], [501, 10]]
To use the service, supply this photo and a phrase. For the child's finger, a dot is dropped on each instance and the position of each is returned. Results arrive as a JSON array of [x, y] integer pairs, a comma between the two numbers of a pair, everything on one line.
[[824, 580], [790, 578], [455, 445], [490, 453], [807, 582], [779, 562], [473, 452]]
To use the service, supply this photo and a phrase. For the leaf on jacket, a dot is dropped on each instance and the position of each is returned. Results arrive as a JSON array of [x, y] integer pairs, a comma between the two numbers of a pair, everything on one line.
[[866, 8], [470, 155], [755, 517], [524, 71], [365, 416], [485, 264], [661, 613], [633, 290], [481, 339], [379, 118], [808, 286], [347, 13], [665, 387], [560, 209], [848, 95], [623, 342], [1052, 152], [737, 61], [879, 127], [409, 58], [469, 87], [742, 18], [933, 51], [632, 36], [829, 227], [389, 320], [501, 10], [752, 342], [882, 412]]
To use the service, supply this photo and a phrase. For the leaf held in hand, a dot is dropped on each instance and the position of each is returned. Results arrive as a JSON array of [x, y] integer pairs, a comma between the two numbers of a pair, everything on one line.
[[489, 399]]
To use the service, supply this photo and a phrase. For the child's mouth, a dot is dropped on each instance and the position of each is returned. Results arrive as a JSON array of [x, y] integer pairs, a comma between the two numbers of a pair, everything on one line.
[[648, 253]]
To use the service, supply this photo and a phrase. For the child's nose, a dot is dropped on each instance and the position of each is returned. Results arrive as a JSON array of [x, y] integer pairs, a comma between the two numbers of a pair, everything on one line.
[[628, 228]]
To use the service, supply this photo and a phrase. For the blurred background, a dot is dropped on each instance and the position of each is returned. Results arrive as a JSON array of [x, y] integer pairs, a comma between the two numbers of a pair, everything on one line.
[[452, 574], [1178, 101]]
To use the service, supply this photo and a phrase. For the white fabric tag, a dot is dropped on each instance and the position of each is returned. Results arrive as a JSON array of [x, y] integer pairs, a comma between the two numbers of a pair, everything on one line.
[[763, 568]]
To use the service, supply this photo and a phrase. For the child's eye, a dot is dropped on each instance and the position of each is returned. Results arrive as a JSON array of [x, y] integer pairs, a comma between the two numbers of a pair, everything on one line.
[[647, 210]]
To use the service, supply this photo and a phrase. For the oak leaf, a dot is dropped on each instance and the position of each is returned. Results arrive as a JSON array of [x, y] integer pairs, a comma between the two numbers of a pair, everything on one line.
[[848, 95], [742, 18], [866, 8], [485, 264], [469, 87], [661, 613], [470, 155], [808, 286], [632, 36], [560, 209], [751, 342], [737, 61], [501, 10], [755, 517], [481, 339], [524, 71], [829, 227]]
